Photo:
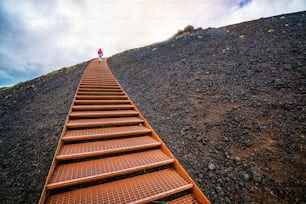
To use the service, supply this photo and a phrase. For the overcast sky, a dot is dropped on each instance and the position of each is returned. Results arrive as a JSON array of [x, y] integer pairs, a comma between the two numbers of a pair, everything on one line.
[[38, 36]]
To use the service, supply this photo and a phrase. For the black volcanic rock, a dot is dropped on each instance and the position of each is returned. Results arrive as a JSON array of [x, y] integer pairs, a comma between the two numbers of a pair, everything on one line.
[[32, 116], [230, 104]]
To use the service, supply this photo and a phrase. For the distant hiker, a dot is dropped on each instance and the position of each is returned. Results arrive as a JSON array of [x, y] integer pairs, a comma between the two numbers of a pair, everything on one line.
[[100, 53]]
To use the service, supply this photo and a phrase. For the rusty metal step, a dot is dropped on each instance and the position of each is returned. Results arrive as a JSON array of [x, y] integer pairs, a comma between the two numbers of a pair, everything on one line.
[[139, 189], [90, 97], [90, 149], [93, 170], [100, 93], [187, 199], [100, 90], [95, 133], [92, 77], [100, 102], [101, 107], [100, 81], [81, 123], [86, 88], [99, 86], [95, 114]]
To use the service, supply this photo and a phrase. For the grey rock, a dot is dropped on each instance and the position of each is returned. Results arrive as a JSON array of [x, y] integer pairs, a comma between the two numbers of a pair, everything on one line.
[[211, 166], [226, 139], [184, 130], [246, 176], [256, 174], [7, 184], [219, 147], [237, 160], [189, 137], [227, 200], [218, 188]]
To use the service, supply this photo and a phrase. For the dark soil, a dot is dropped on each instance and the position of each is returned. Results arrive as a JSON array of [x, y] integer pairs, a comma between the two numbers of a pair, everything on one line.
[[32, 116], [230, 105], [228, 102]]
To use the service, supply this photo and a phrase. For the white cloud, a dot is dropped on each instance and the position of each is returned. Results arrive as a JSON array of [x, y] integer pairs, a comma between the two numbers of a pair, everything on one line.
[[53, 33], [261, 8]]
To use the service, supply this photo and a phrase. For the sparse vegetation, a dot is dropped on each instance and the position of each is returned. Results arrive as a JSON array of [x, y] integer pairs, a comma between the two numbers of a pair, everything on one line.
[[188, 30]]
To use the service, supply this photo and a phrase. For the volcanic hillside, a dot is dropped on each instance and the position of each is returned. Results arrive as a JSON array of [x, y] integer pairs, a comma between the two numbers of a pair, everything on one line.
[[229, 103]]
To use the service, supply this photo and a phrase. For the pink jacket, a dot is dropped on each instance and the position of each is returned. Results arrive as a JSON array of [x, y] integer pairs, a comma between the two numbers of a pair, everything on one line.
[[100, 52]]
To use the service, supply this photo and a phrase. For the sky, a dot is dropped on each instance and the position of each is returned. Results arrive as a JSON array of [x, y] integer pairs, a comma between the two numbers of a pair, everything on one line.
[[39, 36]]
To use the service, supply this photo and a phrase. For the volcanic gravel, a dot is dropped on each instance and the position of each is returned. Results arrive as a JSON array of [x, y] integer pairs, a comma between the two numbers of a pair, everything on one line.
[[228, 102], [32, 116], [230, 105]]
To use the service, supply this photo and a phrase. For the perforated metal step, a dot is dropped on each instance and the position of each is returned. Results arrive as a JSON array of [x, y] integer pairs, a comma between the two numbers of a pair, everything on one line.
[[102, 107], [99, 93], [187, 199], [95, 86], [140, 189], [89, 149], [100, 102], [99, 90], [95, 114], [91, 97], [81, 172], [95, 133], [114, 89], [96, 122]]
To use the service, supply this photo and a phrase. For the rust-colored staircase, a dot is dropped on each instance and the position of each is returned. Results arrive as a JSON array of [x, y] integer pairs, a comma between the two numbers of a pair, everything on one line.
[[108, 153]]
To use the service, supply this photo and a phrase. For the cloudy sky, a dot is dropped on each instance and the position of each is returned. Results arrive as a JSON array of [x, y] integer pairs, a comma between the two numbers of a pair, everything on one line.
[[38, 36]]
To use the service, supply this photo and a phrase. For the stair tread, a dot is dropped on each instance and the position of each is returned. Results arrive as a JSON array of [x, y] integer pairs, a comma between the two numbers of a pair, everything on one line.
[[94, 133], [74, 123], [139, 189], [115, 89], [81, 172], [100, 90], [100, 93], [102, 107], [101, 102], [89, 97], [98, 86], [187, 199], [103, 113], [87, 149]]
